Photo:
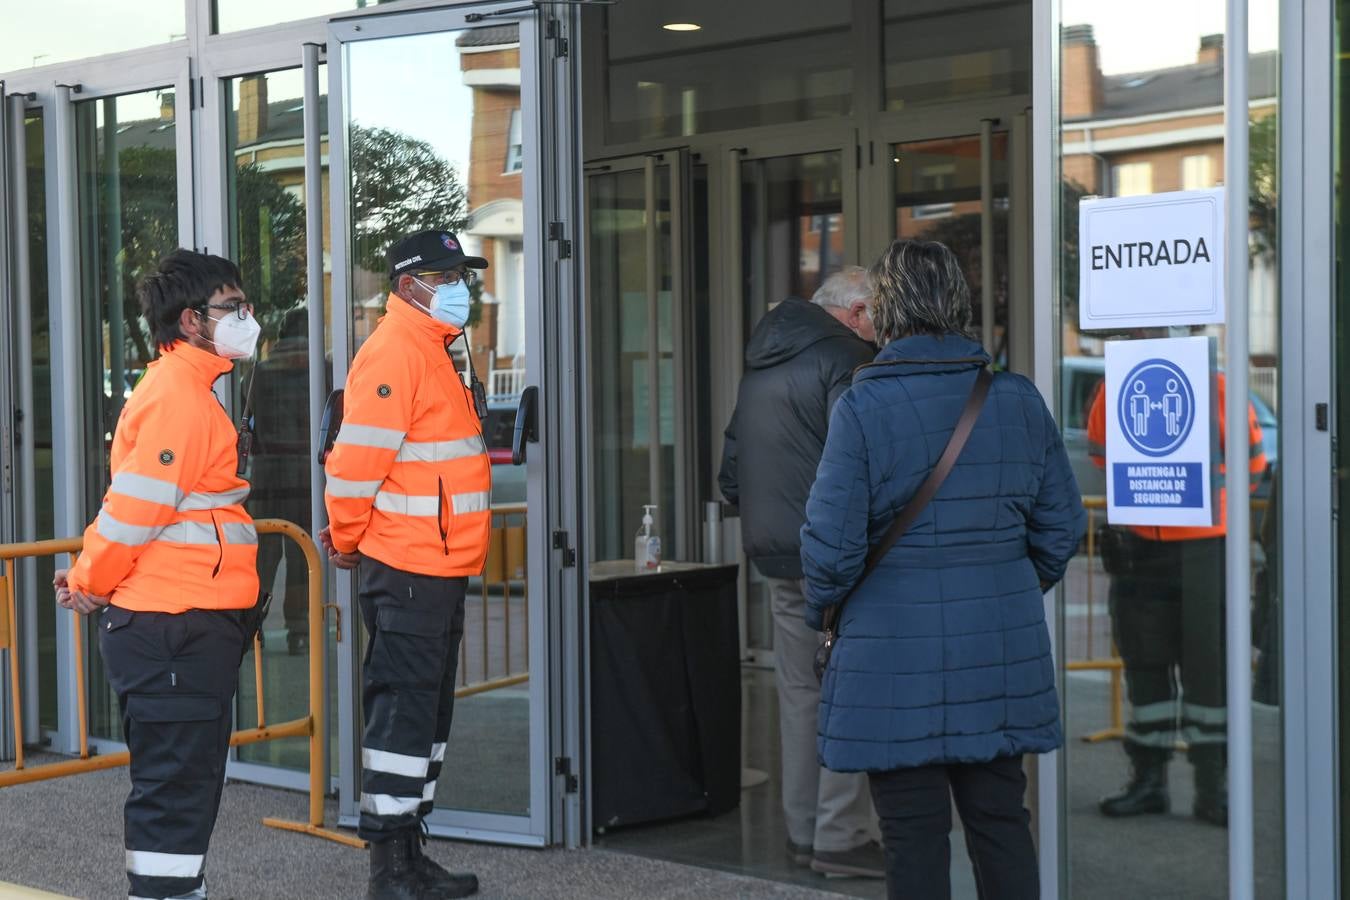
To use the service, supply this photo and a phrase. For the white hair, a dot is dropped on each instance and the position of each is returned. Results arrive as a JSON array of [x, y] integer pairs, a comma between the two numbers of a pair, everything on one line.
[[844, 288]]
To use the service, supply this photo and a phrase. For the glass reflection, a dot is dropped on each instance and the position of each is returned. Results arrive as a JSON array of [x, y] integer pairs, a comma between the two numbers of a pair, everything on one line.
[[127, 181], [939, 51], [1143, 607], [266, 191], [620, 363], [938, 198], [755, 62], [434, 142], [39, 417]]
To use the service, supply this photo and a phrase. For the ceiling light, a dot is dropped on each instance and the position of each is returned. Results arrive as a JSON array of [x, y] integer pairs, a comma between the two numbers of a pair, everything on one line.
[[682, 26]]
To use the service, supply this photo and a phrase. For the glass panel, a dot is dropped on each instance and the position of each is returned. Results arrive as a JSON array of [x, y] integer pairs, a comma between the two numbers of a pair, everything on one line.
[[266, 184], [940, 51], [237, 15], [733, 65], [1144, 635], [127, 182], [937, 198], [620, 318], [429, 117], [73, 29], [792, 239], [39, 418]]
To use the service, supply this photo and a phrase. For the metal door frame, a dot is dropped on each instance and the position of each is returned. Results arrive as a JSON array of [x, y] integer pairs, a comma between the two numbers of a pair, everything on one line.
[[544, 499], [1308, 375]]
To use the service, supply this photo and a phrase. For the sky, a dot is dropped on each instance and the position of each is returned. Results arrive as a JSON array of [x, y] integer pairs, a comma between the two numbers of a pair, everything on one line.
[[1157, 34]]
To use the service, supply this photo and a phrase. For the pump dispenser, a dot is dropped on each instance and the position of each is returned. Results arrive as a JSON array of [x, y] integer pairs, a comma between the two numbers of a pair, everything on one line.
[[647, 544]]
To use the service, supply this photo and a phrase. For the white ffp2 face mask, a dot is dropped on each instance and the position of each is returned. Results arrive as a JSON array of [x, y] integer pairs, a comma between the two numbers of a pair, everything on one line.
[[236, 338]]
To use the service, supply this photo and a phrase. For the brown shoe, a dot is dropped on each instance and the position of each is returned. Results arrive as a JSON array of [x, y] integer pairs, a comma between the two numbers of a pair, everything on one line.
[[865, 861], [800, 854]]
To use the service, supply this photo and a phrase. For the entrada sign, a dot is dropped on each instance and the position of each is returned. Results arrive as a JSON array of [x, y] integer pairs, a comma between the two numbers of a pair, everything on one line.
[[1150, 261]]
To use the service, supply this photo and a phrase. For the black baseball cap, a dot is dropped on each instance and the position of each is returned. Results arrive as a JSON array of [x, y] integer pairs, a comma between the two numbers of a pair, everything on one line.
[[430, 251]]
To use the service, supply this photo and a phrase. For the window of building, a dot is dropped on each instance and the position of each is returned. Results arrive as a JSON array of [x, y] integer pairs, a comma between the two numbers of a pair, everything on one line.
[[1133, 179], [514, 157], [1196, 172]]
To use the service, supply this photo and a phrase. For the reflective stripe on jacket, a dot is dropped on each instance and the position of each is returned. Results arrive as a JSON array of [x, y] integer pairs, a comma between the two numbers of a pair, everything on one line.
[[409, 480], [172, 534], [1256, 466]]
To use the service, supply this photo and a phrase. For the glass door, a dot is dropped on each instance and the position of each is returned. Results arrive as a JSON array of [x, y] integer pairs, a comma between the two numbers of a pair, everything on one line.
[[132, 192], [957, 190], [798, 224], [647, 309], [435, 125]]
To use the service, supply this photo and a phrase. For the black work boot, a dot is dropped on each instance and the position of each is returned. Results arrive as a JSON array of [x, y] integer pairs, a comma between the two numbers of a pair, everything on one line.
[[433, 875], [393, 875], [1211, 785], [1147, 789]]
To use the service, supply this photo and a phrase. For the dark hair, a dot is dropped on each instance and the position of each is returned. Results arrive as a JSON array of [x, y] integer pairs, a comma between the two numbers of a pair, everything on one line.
[[182, 280], [918, 288]]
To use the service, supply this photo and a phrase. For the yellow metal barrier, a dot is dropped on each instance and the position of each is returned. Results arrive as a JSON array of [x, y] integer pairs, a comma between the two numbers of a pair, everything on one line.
[[1112, 664], [506, 565], [312, 726]]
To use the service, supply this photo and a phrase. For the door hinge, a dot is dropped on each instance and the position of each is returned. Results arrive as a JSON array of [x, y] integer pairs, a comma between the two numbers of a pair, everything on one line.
[[556, 233], [562, 765], [562, 541], [554, 33]]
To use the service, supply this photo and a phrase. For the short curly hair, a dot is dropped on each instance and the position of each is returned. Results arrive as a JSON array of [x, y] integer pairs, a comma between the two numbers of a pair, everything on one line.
[[918, 288], [183, 280]]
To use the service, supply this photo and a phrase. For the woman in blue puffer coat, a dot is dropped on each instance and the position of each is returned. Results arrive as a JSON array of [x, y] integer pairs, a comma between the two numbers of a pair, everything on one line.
[[941, 676]]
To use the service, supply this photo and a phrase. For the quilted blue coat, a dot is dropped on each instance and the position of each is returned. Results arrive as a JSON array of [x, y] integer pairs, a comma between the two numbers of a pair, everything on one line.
[[943, 653]]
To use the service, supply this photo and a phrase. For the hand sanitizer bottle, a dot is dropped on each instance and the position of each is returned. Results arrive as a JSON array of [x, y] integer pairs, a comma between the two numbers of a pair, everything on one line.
[[647, 544]]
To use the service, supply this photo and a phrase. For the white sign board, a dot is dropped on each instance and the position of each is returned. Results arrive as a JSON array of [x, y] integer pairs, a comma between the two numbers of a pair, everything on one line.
[[1159, 395], [1151, 261]]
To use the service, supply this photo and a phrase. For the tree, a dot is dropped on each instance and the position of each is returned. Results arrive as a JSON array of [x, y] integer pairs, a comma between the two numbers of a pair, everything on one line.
[[270, 246], [400, 185], [1263, 185]]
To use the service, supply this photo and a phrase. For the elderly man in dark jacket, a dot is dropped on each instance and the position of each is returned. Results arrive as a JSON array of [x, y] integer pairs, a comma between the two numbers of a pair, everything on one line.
[[800, 359]]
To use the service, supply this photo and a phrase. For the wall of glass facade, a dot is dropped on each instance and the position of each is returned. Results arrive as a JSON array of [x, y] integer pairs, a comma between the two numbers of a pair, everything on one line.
[[726, 167], [1142, 611]]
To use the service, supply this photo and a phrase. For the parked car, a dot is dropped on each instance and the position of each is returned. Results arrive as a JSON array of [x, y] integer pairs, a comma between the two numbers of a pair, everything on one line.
[[1079, 377], [508, 479]]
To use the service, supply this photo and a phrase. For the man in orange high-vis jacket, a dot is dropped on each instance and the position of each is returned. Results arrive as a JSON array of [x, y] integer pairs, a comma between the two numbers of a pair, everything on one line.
[[1167, 614], [408, 499], [171, 563]]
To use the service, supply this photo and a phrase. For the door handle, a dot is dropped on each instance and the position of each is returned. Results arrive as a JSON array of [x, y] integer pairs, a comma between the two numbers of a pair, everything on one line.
[[527, 429]]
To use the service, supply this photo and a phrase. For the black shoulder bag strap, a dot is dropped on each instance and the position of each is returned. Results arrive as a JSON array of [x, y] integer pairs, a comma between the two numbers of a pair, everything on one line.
[[955, 444]]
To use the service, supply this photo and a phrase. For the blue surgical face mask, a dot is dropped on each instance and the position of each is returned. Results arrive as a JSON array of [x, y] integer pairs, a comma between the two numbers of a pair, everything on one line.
[[449, 303]]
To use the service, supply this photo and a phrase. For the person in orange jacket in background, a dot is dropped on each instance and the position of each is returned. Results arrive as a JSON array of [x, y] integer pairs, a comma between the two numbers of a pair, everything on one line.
[[169, 566], [1167, 616], [408, 500]]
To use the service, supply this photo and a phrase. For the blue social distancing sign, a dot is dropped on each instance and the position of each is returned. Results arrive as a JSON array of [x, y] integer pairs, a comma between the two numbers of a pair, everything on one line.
[[1158, 437]]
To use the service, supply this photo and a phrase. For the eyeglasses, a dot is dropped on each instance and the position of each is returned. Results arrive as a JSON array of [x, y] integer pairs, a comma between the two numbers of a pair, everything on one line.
[[240, 308], [453, 276]]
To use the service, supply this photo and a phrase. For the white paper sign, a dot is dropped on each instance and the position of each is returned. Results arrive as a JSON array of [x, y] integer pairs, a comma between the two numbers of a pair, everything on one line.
[[1151, 261], [1159, 434]]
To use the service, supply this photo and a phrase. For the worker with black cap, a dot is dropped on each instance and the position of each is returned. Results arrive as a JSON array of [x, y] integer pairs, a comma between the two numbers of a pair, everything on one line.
[[408, 487]]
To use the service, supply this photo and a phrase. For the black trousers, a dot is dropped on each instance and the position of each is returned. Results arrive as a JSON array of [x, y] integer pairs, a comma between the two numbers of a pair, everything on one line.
[[175, 677], [415, 624], [1167, 613], [915, 809]]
